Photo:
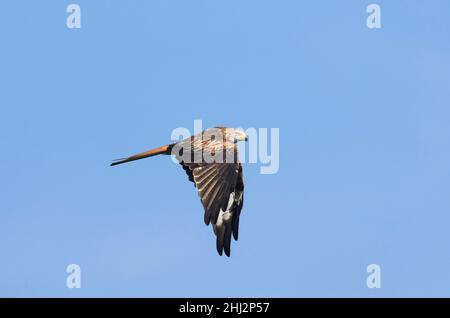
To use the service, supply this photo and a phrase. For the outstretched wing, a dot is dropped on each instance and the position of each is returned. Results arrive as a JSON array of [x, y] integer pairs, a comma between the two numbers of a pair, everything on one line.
[[221, 190]]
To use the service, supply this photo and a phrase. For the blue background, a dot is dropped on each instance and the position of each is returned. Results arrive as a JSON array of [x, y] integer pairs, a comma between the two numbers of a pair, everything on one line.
[[364, 147]]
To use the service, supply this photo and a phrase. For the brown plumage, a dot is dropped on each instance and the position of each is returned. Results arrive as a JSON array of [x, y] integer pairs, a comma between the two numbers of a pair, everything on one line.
[[210, 160]]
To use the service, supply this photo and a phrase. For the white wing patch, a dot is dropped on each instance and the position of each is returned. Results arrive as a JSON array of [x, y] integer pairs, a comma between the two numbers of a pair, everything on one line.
[[224, 216]]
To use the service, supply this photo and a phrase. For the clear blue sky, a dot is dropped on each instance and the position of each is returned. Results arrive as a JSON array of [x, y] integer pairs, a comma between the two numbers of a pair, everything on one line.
[[365, 147]]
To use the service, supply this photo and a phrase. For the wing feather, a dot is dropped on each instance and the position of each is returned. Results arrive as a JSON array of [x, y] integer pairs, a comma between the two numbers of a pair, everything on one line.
[[221, 190]]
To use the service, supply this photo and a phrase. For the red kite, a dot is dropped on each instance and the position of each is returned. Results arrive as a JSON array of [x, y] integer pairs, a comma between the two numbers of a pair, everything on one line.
[[210, 160]]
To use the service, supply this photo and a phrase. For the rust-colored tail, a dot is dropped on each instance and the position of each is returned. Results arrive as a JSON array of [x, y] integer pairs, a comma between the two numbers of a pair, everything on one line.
[[163, 150]]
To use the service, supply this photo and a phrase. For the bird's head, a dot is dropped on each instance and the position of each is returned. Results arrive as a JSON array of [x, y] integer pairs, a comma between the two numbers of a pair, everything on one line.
[[238, 135], [232, 135]]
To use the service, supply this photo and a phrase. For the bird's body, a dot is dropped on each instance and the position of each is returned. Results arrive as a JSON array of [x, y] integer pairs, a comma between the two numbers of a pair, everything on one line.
[[210, 160]]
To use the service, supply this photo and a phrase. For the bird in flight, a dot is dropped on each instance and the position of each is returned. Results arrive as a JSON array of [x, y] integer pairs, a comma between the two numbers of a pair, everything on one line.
[[211, 162]]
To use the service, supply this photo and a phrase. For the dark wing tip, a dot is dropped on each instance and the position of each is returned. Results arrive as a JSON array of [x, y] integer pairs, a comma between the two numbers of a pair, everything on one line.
[[219, 248], [207, 217], [220, 243], [223, 238], [227, 249]]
